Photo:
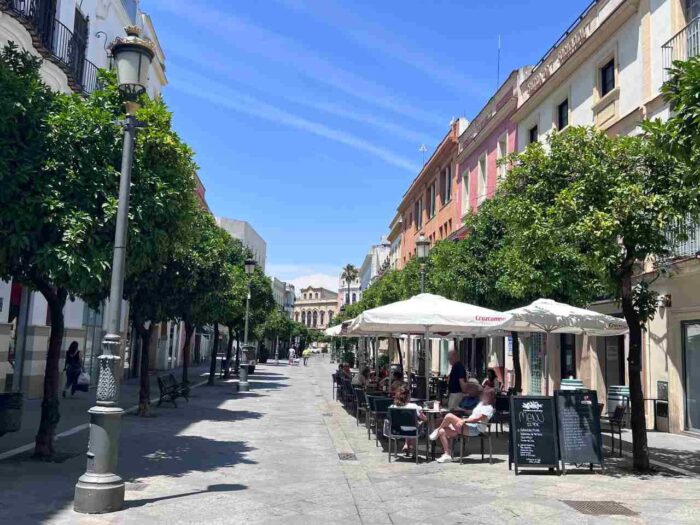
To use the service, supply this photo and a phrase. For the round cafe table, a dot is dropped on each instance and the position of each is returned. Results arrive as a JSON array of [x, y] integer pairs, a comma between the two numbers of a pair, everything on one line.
[[432, 415]]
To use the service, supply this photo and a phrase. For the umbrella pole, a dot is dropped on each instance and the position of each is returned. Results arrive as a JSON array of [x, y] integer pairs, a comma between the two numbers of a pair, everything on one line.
[[546, 363]]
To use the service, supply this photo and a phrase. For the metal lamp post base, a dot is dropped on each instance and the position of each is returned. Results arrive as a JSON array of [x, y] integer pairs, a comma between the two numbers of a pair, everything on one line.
[[99, 490], [243, 385]]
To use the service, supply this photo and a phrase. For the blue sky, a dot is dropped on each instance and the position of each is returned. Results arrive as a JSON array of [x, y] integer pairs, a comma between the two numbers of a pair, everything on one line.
[[307, 115]]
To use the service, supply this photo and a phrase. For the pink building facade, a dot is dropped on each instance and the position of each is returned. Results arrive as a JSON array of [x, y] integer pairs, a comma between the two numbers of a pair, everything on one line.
[[491, 136]]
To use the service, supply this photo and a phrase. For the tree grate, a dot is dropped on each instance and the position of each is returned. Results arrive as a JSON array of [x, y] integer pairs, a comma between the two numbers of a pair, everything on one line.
[[347, 456], [600, 508]]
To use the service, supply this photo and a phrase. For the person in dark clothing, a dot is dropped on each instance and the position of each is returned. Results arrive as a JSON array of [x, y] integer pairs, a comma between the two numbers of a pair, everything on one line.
[[72, 368], [457, 382]]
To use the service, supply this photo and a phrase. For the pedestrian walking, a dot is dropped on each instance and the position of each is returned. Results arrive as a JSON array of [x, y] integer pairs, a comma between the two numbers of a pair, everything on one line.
[[306, 354], [292, 355], [72, 367]]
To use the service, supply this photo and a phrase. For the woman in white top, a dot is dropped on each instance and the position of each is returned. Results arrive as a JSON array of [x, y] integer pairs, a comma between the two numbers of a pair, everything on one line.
[[452, 426], [402, 399]]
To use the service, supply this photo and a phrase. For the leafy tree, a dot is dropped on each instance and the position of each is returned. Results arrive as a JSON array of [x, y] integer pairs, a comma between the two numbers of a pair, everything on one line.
[[57, 218], [558, 206]]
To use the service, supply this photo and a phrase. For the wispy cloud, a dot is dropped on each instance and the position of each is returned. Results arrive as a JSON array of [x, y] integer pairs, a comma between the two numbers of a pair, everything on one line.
[[301, 275], [226, 97], [254, 39], [241, 73], [376, 38]]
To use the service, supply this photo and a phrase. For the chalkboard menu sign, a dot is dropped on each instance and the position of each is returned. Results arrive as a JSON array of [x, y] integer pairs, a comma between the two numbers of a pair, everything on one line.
[[578, 419], [533, 434]]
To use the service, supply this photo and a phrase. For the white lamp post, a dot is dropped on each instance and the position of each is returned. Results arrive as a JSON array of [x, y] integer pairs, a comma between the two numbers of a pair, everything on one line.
[[422, 250], [100, 489]]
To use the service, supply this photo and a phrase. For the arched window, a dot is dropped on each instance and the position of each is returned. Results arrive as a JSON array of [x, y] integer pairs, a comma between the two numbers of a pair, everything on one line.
[[322, 316], [354, 298], [296, 316], [315, 322], [330, 317], [303, 318]]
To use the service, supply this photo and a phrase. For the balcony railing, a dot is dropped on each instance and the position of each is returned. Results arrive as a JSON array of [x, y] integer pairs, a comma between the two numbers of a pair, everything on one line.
[[55, 42], [689, 247], [685, 45]]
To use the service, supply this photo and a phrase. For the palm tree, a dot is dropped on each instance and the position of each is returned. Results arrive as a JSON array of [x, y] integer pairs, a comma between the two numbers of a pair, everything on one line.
[[349, 275]]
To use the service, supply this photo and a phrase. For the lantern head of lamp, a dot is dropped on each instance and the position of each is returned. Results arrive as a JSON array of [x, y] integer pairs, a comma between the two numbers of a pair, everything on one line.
[[250, 266], [422, 247], [132, 57]]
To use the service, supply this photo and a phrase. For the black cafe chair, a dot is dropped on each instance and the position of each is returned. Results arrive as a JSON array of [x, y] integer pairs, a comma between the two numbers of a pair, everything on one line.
[[483, 436], [360, 403], [401, 423], [614, 422]]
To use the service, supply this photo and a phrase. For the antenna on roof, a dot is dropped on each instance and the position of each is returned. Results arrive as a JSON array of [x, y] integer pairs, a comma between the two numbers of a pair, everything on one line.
[[498, 63], [423, 149]]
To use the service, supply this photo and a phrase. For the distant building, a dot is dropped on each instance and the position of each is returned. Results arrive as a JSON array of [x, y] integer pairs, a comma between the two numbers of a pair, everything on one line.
[[289, 299], [395, 237], [375, 262], [348, 293], [243, 231], [316, 307]]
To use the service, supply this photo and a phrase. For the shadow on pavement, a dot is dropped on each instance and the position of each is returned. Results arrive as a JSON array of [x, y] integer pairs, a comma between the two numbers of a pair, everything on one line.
[[222, 487]]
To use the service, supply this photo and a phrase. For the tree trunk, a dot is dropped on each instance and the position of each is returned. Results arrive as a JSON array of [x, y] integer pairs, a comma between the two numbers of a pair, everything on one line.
[[134, 366], [640, 449], [517, 371], [229, 351], [144, 379], [189, 330], [214, 354], [50, 415]]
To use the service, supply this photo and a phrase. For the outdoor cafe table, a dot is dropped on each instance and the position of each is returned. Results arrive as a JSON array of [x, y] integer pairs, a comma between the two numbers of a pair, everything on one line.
[[431, 414]]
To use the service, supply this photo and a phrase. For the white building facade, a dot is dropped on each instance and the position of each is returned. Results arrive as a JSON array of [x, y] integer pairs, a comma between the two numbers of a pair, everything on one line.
[[250, 238], [375, 263]]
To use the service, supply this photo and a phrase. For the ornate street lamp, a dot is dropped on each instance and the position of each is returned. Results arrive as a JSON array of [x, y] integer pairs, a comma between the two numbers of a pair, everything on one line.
[[243, 385], [422, 250], [100, 489]]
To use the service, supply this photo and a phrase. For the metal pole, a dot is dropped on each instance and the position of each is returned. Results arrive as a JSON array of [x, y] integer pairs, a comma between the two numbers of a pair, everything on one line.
[[243, 385], [422, 278], [100, 489]]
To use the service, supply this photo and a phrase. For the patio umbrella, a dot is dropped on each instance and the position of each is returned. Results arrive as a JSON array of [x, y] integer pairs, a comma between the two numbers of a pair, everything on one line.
[[429, 314], [551, 317]]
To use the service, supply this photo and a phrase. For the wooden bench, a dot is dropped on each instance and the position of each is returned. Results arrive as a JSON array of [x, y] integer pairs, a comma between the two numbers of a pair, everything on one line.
[[170, 389]]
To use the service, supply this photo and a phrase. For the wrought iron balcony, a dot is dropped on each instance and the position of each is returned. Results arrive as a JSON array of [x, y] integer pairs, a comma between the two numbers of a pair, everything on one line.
[[55, 42], [683, 46], [689, 247]]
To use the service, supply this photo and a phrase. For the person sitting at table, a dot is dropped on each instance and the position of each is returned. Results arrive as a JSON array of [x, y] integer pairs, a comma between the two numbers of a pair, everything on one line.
[[491, 380], [362, 378], [457, 381], [344, 371], [472, 395], [402, 399], [453, 425], [396, 382]]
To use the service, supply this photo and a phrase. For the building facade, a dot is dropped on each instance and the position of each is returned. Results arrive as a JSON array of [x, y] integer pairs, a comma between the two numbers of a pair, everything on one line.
[[395, 237], [316, 307], [607, 71], [488, 138], [429, 206], [251, 239], [375, 263], [70, 36], [348, 293]]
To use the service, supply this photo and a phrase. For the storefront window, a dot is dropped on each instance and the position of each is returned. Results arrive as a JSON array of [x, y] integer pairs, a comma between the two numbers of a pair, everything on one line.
[[535, 359], [691, 362], [568, 356]]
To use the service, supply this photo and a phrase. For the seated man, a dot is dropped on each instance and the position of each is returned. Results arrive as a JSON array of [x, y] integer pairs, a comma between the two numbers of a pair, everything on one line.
[[361, 378], [452, 426]]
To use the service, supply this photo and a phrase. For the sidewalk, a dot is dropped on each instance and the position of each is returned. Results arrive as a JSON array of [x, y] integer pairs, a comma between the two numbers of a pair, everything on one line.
[[74, 409]]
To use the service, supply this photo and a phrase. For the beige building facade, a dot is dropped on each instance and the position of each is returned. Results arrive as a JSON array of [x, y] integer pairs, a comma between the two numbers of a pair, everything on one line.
[[315, 307]]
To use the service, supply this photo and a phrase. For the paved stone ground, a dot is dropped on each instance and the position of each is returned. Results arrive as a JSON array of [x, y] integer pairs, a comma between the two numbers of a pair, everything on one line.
[[271, 456], [74, 409]]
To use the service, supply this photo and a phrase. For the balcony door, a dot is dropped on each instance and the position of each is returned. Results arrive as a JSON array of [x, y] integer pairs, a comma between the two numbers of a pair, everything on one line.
[[692, 9], [78, 46], [43, 13]]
